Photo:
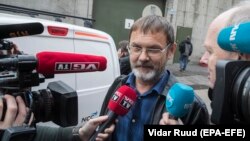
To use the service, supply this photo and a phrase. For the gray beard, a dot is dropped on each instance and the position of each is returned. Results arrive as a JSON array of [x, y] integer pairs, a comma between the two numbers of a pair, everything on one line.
[[152, 76]]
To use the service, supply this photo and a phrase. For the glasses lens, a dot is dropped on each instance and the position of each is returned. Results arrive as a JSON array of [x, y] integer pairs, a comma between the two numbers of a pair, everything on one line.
[[152, 52]]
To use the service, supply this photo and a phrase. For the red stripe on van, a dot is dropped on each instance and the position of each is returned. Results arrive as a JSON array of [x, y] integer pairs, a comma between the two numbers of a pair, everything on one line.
[[91, 35], [59, 31]]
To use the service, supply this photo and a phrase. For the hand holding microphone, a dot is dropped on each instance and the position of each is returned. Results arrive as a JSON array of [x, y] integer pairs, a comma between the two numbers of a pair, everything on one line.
[[89, 127], [178, 102], [119, 105]]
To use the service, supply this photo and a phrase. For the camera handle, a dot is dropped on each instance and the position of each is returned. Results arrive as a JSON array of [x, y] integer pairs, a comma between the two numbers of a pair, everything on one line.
[[20, 133]]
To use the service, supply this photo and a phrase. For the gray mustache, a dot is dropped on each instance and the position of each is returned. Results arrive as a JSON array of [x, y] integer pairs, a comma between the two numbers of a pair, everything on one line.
[[144, 65]]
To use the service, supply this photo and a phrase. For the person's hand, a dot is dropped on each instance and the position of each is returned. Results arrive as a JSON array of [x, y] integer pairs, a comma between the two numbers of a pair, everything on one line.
[[166, 120], [88, 129], [16, 111], [14, 50]]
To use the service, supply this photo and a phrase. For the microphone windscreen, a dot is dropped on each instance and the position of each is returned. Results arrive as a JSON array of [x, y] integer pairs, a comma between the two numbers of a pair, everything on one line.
[[19, 30], [235, 38], [60, 62], [179, 99], [122, 100]]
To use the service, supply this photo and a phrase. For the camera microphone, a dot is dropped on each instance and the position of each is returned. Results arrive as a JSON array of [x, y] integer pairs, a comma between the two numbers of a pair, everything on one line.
[[235, 38], [179, 100], [47, 64], [50, 63], [19, 30]]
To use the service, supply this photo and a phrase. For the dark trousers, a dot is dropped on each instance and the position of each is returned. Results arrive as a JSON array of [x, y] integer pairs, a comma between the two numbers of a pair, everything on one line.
[[183, 62]]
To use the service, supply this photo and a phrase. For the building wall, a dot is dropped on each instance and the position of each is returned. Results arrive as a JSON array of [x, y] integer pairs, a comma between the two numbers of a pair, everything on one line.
[[112, 16], [79, 8], [196, 14]]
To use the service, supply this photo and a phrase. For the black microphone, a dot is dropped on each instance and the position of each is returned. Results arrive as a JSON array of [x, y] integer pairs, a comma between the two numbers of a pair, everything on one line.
[[19, 30]]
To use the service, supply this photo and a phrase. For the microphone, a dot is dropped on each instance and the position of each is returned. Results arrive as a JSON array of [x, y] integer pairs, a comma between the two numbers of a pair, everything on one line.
[[119, 105], [19, 30], [179, 100], [235, 38], [50, 63]]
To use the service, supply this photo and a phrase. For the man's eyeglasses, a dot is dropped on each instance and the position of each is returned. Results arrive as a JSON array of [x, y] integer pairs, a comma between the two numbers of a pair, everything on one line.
[[152, 52]]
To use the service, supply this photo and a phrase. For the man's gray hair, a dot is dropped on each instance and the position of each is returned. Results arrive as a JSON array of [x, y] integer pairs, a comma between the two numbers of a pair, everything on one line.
[[154, 24], [241, 14]]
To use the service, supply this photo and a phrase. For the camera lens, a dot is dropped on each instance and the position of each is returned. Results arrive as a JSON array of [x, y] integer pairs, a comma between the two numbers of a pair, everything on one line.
[[42, 105], [240, 98]]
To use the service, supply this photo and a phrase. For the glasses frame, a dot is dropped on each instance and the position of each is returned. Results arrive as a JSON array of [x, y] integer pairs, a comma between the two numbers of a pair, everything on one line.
[[147, 50]]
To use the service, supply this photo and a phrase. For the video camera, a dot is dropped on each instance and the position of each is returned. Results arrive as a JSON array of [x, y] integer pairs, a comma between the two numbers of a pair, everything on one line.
[[57, 103], [231, 95]]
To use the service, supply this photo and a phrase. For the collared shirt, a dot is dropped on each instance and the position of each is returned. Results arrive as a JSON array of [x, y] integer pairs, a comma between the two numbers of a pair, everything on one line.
[[131, 126]]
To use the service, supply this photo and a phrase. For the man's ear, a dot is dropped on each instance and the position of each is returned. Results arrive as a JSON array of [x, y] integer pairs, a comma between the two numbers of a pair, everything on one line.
[[171, 51]]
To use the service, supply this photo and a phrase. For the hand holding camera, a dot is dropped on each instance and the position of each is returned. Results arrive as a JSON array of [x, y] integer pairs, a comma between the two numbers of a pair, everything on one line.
[[14, 106]]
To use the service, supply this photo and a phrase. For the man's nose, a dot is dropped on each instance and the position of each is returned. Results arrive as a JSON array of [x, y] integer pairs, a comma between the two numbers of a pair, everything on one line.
[[144, 55], [204, 59]]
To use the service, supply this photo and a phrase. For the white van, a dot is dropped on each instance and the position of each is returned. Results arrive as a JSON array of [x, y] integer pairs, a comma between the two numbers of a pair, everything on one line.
[[91, 87]]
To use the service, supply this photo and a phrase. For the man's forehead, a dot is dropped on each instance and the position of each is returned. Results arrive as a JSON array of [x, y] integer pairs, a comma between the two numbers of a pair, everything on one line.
[[214, 29], [223, 18], [149, 34], [149, 31]]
